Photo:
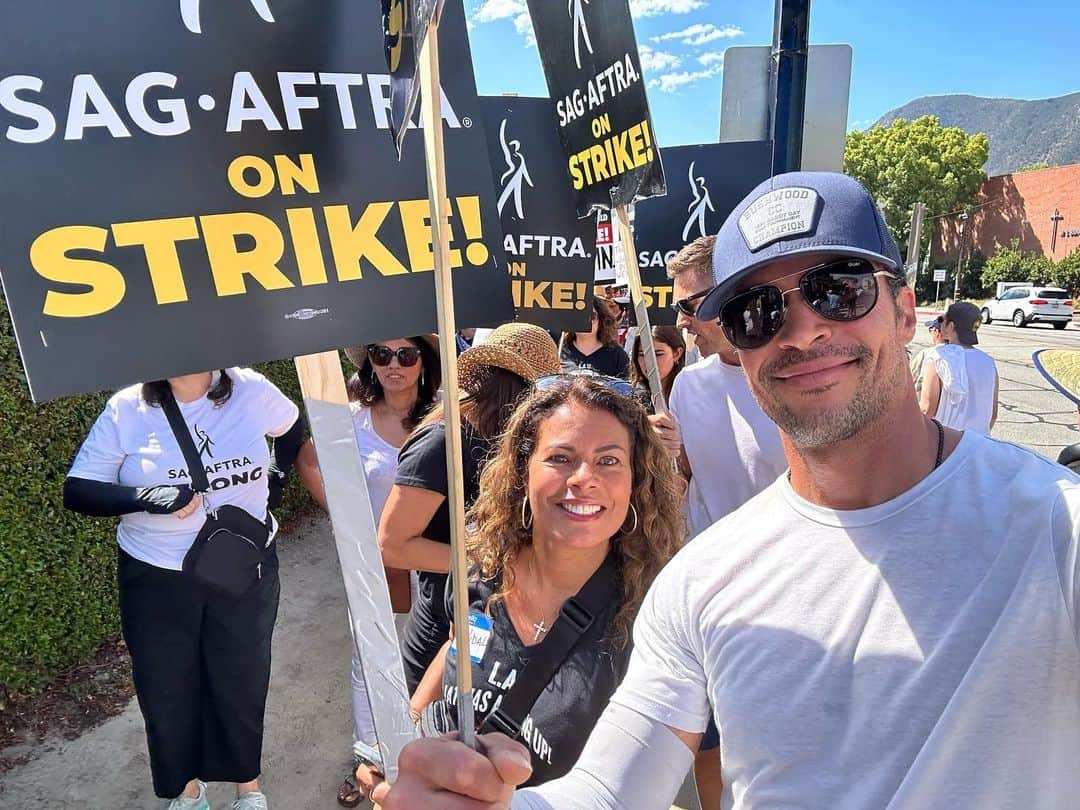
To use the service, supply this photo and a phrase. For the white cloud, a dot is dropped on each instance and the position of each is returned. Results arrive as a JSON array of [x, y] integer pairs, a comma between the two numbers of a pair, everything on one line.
[[652, 8], [697, 34], [491, 10], [711, 58], [672, 82], [516, 10], [657, 60]]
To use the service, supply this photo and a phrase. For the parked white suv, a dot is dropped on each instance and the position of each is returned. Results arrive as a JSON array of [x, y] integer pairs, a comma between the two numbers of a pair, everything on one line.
[[1030, 304]]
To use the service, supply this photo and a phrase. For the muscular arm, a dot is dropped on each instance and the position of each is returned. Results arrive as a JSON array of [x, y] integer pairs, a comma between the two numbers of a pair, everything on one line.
[[407, 513], [630, 762]]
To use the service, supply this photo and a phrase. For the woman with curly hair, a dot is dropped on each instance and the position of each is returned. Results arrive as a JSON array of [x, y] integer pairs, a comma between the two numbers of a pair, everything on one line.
[[580, 491], [597, 349]]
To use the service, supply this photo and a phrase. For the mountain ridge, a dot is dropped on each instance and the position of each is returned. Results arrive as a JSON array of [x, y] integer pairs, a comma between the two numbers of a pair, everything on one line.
[[1020, 131]]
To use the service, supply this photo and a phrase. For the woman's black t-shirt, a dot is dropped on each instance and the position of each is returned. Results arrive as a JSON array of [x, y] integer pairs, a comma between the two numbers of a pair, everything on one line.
[[422, 464], [609, 360], [566, 711]]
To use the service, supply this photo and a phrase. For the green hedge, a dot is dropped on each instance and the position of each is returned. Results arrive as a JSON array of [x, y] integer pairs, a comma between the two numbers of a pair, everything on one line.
[[58, 570]]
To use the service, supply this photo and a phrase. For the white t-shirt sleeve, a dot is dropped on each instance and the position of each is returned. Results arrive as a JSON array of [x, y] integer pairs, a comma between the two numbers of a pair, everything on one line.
[[277, 411], [1066, 539], [665, 679], [102, 453]]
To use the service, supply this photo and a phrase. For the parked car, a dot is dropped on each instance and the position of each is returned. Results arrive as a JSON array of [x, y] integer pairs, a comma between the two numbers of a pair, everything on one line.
[[1030, 304]]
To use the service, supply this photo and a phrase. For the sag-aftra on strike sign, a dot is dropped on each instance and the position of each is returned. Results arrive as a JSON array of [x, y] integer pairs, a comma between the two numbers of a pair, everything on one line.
[[594, 76], [195, 185]]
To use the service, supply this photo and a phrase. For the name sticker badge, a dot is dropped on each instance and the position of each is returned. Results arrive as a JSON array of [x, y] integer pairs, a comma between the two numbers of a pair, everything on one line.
[[777, 214], [479, 636]]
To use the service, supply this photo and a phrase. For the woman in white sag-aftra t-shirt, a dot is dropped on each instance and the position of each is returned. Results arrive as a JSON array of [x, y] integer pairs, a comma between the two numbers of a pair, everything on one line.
[[394, 386], [200, 659]]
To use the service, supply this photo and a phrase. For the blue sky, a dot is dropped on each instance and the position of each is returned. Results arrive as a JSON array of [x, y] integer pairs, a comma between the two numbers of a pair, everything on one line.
[[903, 49]]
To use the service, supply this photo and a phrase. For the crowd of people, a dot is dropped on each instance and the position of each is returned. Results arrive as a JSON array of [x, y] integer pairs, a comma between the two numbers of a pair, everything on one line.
[[817, 582]]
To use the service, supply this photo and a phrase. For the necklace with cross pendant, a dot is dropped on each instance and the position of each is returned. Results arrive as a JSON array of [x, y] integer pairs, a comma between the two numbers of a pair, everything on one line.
[[540, 629]]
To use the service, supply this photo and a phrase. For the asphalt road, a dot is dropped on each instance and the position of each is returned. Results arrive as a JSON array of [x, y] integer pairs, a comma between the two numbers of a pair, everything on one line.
[[1030, 412]]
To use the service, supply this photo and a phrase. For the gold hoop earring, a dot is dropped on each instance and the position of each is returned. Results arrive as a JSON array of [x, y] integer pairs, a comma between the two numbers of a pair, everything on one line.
[[526, 525], [633, 529]]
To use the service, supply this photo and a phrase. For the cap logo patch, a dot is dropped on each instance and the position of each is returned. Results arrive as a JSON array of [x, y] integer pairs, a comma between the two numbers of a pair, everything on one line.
[[777, 214]]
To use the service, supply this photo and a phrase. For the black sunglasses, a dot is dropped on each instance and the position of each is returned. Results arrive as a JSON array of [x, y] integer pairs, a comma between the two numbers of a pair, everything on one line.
[[685, 306], [840, 290], [616, 384], [408, 356]]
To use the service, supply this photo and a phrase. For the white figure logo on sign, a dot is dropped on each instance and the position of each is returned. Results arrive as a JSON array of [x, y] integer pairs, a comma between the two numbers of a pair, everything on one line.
[[702, 202], [189, 12], [577, 14], [516, 172]]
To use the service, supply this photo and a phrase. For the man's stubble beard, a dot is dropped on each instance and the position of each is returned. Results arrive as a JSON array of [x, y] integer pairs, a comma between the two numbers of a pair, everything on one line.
[[871, 401]]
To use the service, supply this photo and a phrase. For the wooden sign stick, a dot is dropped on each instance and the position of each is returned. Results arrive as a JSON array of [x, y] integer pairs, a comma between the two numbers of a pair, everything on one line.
[[431, 112], [641, 312], [371, 619]]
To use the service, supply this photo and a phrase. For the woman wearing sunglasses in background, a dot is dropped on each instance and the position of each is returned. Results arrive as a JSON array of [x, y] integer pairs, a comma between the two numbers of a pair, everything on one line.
[[670, 358], [394, 386], [414, 531], [580, 498]]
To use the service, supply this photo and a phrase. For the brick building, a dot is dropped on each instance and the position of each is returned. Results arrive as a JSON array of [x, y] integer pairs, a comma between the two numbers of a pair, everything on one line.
[[1018, 206]]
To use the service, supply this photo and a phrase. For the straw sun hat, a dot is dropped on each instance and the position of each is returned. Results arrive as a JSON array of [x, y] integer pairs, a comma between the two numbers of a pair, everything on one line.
[[520, 348], [358, 354]]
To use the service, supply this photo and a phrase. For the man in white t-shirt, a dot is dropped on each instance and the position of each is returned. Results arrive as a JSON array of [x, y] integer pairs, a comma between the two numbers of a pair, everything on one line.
[[895, 624], [731, 449]]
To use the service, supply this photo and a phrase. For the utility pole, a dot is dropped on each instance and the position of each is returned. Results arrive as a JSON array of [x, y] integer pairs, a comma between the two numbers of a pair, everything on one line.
[[960, 255], [791, 38], [1055, 218], [914, 243]]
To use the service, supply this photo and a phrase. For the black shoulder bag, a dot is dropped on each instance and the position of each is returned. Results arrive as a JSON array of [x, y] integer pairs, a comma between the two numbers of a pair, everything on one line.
[[576, 616], [230, 549]]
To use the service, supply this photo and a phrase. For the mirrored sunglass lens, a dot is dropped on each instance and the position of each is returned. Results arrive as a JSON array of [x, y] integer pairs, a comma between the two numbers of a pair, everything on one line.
[[408, 357], [842, 292], [751, 320]]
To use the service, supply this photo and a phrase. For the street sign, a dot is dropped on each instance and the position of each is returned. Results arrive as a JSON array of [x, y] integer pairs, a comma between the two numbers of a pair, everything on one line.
[[745, 101], [939, 274]]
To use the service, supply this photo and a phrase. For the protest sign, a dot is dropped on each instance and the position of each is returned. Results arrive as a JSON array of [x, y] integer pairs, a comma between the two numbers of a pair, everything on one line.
[[610, 264], [549, 251], [707, 182], [593, 72], [178, 200], [405, 26]]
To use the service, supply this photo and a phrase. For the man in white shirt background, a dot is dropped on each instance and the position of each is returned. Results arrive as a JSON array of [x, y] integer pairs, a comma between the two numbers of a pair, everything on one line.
[[731, 449], [896, 623]]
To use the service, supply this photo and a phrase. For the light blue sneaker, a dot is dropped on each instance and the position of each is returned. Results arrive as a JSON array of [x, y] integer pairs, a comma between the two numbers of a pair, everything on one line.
[[250, 801], [198, 803]]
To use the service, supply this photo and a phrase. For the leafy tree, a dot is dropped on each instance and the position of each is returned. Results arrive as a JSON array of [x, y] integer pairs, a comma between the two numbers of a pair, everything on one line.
[[1066, 273], [912, 161], [1011, 264]]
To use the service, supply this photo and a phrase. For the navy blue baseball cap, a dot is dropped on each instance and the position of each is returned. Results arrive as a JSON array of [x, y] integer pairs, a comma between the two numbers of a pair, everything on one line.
[[791, 214]]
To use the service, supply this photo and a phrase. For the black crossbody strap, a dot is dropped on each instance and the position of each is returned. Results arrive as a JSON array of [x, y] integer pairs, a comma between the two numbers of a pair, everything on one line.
[[187, 445], [577, 615]]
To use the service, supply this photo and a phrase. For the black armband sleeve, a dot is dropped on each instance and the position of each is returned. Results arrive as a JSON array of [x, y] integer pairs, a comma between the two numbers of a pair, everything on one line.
[[287, 447], [102, 499]]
